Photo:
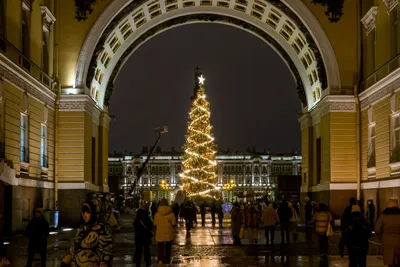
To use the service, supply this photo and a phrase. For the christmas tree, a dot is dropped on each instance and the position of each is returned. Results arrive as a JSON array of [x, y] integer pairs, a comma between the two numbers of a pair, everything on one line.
[[198, 167]]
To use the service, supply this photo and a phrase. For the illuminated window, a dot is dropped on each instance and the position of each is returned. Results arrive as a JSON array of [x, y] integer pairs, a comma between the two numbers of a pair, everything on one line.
[[371, 146], [24, 153], [395, 136], [43, 146]]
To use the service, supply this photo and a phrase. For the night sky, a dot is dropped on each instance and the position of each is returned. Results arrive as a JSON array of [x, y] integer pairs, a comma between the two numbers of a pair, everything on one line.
[[252, 94]]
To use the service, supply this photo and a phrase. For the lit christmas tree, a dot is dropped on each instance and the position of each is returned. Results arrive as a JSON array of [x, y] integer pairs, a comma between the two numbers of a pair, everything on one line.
[[198, 167]]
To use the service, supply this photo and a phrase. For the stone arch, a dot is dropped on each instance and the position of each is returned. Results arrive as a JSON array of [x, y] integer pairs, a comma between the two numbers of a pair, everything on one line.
[[287, 25]]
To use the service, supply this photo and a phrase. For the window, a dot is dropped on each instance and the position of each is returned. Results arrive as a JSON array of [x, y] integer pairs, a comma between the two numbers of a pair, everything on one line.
[[3, 18], [393, 27], [371, 48], [24, 139], [43, 146], [395, 155], [45, 52], [371, 146]]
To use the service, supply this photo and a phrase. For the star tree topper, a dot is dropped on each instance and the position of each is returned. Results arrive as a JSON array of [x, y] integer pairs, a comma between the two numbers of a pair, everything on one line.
[[201, 79]]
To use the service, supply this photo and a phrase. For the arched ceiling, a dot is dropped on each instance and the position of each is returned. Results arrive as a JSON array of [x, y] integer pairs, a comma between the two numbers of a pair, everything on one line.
[[272, 20]]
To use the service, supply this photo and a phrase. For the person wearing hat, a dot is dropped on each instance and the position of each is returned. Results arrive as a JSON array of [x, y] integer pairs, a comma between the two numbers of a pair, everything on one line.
[[93, 244], [357, 231], [38, 231], [387, 229]]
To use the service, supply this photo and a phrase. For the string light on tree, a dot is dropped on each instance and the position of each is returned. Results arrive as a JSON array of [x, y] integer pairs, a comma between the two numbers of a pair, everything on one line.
[[198, 174]]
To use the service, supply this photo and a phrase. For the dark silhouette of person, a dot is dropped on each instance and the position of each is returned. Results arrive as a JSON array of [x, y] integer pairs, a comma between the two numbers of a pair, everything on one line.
[[38, 231], [203, 211], [371, 213], [213, 211], [175, 210], [143, 226], [346, 219], [284, 213], [220, 215], [153, 209]]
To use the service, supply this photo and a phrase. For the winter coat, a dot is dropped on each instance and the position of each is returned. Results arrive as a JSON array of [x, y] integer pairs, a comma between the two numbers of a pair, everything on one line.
[[38, 232], [270, 216], [164, 220], [253, 218], [388, 230], [358, 231], [285, 213], [143, 225], [346, 218], [308, 211], [92, 245], [237, 220], [322, 219]]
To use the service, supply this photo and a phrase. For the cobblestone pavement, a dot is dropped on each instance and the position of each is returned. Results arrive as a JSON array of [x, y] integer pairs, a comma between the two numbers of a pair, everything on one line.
[[207, 246]]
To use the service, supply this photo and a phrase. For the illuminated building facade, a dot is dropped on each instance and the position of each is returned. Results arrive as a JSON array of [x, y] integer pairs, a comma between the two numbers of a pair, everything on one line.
[[254, 175]]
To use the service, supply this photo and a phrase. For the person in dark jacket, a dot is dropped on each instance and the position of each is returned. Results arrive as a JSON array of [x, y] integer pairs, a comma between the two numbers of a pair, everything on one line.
[[143, 225], [308, 213], [203, 210], [153, 209], [189, 214], [371, 213], [284, 213], [346, 218], [38, 232], [213, 211], [175, 210], [220, 214], [357, 233]]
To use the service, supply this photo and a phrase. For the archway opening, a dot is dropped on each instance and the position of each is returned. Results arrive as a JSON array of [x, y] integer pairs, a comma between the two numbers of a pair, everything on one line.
[[253, 97]]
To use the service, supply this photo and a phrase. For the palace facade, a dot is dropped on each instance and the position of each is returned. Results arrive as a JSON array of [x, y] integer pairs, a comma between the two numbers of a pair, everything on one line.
[[58, 63], [251, 175]]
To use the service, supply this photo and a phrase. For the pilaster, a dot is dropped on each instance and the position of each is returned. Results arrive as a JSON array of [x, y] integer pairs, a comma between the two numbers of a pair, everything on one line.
[[78, 156]]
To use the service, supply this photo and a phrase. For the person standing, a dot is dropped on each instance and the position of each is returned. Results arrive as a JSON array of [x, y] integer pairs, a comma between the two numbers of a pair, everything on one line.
[[220, 213], [370, 215], [237, 223], [387, 229], [358, 231], [284, 213], [189, 214], [203, 210], [143, 226], [270, 218], [308, 212], [252, 223], [38, 232], [153, 209], [322, 219], [164, 221], [175, 210], [93, 244], [293, 221], [213, 211], [346, 218]]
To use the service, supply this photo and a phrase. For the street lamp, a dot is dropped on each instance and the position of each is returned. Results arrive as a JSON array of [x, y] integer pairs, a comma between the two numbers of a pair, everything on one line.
[[165, 186]]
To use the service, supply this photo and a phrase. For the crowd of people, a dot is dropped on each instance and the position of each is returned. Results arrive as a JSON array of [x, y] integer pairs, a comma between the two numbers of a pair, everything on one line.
[[94, 240]]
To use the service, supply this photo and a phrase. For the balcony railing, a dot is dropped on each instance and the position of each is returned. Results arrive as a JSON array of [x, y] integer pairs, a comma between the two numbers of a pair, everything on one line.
[[380, 73], [16, 56]]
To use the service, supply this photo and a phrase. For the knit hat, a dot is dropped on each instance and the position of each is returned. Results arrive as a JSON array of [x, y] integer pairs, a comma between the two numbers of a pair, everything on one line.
[[392, 203], [355, 208]]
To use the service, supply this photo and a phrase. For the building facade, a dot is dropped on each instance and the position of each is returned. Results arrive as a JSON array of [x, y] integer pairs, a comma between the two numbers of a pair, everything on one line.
[[58, 63], [252, 175]]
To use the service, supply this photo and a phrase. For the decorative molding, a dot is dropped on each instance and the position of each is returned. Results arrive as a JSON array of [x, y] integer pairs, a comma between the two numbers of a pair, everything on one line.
[[394, 168], [391, 183], [369, 20], [48, 18], [391, 4], [105, 120], [371, 172], [13, 74], [333, 103], [27, 5], [113, 14], [79, 103], [380, 90], [305, 121], [8, 175], [77, 186]]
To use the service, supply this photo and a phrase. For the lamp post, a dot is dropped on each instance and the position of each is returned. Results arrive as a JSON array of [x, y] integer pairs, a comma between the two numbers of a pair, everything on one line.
[[230, 187], [164, 186]]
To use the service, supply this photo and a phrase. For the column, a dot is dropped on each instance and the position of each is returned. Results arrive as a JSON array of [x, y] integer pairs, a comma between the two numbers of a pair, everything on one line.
[[78, 120], [104, 125]]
